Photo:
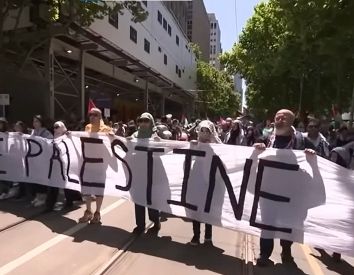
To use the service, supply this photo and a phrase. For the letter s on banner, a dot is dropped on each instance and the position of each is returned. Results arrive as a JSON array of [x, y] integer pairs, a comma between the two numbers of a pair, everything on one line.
[[125, 149]]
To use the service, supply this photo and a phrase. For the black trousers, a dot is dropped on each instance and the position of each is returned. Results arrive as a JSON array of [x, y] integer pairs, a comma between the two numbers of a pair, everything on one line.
[[267, 245], [52, 196], [154, 216], [196, 230]]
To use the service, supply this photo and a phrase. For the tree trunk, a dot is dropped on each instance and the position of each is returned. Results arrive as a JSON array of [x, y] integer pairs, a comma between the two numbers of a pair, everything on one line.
[[352, 109], [4, 9]]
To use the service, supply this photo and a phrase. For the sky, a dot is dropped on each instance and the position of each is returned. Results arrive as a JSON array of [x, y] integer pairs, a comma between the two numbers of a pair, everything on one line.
[[225, 13]]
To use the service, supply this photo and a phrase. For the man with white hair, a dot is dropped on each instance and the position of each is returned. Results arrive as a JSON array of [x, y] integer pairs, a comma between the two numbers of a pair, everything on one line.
[[285, 137]]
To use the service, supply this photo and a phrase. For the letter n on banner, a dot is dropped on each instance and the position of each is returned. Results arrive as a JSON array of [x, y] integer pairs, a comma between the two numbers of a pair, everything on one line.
[[269, 196], [237, 207]]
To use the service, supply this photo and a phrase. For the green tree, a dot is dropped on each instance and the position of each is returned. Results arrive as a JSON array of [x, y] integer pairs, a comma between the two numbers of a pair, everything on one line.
[[296, 54], [216, 92]]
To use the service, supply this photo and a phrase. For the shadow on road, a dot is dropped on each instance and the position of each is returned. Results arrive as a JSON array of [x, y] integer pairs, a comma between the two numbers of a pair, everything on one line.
[[203, 257], [342, 267]]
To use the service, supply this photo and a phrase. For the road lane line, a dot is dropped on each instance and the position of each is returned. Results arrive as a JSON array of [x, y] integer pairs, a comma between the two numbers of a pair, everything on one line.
[[314, 266], [109, 264], [5, 269]]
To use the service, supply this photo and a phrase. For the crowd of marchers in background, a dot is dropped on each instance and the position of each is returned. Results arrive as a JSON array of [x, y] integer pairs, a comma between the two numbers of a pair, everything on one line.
[[332, 141]]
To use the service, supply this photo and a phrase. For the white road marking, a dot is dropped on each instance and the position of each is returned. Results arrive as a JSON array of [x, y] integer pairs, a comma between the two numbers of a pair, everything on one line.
[[5, 269]]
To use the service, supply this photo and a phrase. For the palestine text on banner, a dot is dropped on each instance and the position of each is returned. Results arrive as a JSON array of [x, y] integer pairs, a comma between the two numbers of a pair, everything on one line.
[[276, 193]]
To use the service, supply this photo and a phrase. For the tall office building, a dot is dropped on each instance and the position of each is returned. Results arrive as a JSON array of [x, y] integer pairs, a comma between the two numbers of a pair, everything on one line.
[[198, 27], [215, 44]]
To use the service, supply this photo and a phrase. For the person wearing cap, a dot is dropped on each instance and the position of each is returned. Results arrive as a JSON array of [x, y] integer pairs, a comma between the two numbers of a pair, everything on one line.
[[39, 191], [146, 129], [96, 125], [206, 134]]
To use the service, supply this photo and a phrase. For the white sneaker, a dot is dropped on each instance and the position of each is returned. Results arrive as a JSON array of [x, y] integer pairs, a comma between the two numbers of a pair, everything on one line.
[[41, 200], [3, 196], [13, 192]]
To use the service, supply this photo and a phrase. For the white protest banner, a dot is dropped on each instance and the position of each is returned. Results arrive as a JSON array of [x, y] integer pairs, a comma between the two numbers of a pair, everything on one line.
[[276, 193]]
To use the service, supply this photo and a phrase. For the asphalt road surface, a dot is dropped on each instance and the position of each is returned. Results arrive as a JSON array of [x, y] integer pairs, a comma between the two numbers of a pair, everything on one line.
[[54, 243]]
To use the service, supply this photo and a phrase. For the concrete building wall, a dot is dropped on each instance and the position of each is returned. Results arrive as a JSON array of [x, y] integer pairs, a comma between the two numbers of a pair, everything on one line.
[[179, 10], [198, 27], [173, 44], [215, 41], [238, 83]]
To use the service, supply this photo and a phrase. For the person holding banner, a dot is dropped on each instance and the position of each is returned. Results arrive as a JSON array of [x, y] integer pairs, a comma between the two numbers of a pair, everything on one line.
[[96, 126], [38, 190], [146, 129], [53, 192], [285, 137], [206, 134]]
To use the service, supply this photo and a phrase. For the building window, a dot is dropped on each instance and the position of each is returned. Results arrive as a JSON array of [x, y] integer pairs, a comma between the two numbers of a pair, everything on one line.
[[133, 35], [211, 25], [113, 19], [145, 3], [177, 40], [165, 24], [214, 49], [159, 17], [165, 59], [146, 46], [159, 49], [176, 69], [169, 29], [179, 73]]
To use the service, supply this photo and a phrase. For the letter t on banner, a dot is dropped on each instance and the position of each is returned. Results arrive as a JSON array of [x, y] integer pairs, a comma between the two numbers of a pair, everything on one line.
[[150, 168]]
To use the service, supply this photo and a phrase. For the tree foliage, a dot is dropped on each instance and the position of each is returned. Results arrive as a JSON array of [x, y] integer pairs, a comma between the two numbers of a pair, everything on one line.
[[296, 54], [216, 94]]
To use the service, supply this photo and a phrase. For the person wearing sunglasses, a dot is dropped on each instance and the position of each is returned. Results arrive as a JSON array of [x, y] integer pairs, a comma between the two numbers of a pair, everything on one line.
[[96, 125], [53, 192], [146, 129], [207, 133], [320, 143]]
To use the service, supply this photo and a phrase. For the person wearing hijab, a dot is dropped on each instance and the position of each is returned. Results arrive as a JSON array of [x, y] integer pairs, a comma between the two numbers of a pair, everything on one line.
[[250, 136], [96, 125], [235, 136], [206, 134], [146, 129], [53, 192], [39, 191]]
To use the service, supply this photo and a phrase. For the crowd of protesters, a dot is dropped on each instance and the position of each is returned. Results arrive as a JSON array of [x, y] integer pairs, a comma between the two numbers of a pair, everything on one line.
[[314, 136]]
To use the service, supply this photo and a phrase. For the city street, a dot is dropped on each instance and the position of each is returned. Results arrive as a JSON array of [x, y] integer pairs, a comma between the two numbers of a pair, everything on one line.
[[54, 243]]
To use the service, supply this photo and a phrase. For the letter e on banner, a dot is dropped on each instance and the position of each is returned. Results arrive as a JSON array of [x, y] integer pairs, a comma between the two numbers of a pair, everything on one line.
[[269, 196]]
